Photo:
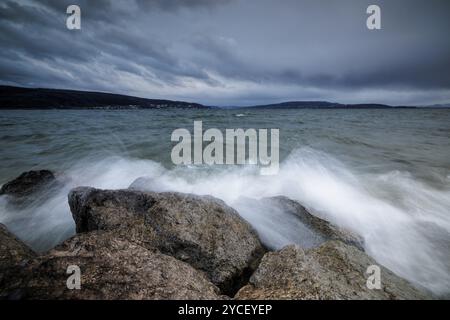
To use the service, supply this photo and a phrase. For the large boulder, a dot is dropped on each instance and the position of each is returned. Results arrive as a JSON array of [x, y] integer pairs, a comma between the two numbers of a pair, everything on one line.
[[321, 227], [28, 183], [14, 255], [110, 268], [332, 271], [200, 230]]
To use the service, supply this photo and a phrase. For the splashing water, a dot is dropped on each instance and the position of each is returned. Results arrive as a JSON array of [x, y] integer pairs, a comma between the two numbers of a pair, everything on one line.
[[404, 222]]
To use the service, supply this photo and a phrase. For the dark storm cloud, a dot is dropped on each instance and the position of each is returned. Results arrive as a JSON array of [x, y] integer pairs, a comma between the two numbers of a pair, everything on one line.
[[177, 4], [232, 51]]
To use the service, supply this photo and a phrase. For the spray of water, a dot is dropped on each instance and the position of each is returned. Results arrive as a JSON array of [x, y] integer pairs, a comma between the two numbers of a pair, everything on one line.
[[405, 222]]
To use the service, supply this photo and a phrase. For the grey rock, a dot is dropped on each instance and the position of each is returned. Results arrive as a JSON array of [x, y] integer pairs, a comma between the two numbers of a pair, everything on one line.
[[142, 184], [111, 267], [325, 229], [332, 271], [200, 230], [14, 255], [28, 183]]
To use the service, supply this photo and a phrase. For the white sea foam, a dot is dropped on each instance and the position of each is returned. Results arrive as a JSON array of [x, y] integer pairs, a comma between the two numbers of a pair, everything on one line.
[[405, 222]]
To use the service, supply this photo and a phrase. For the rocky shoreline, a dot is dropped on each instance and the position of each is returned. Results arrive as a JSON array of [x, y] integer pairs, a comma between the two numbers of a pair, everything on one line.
[[134, 244]]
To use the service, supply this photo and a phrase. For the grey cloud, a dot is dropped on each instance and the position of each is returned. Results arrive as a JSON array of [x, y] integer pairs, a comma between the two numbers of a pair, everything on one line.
[[177, 4], [232, 51]]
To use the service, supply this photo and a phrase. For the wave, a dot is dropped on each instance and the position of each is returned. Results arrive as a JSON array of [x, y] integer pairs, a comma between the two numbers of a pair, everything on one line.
[[405, 222]]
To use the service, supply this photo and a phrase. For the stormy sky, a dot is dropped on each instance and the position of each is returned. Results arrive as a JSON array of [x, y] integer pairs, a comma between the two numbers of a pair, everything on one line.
[[232, 52]]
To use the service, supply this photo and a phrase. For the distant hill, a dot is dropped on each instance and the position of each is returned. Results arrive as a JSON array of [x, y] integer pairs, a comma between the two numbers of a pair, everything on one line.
[[323, 105], [39, 98], [439, 106], [27, 98]]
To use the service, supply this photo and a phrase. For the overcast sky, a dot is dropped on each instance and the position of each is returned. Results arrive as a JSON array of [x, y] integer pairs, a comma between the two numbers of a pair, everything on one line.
[[232, 52]]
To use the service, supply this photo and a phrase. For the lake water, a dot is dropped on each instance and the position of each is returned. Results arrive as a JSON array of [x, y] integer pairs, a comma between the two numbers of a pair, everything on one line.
[[383, 173]]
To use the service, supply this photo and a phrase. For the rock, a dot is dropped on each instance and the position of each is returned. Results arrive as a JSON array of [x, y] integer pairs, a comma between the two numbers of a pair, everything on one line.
[[142, 184], [29, 183], [200, 230], [111, 268], [325, 229], [332, 271], [12, 250], [14, 255]]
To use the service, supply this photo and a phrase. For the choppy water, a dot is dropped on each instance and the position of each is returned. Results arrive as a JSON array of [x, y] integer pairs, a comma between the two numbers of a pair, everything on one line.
[[383, 173]]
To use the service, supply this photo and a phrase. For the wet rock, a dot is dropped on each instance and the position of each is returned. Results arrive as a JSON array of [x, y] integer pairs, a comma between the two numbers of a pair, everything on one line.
[[142, 184], [332, 271], [14, 255], [28, 183], [12, 250], [323, 228], [110, 267], [200, 230]]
